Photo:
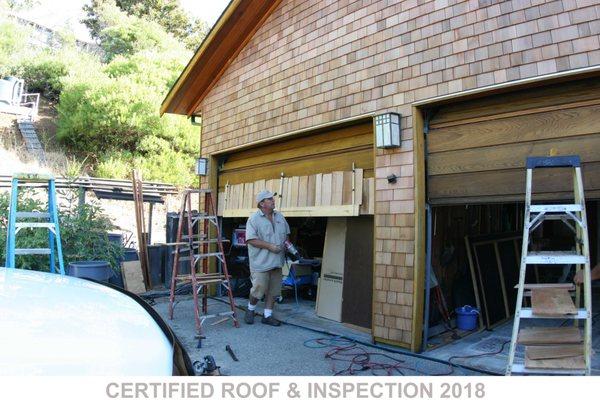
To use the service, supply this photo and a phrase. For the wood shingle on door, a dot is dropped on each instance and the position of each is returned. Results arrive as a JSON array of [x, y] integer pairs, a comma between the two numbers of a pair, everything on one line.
[[476, 149], [313, 174]]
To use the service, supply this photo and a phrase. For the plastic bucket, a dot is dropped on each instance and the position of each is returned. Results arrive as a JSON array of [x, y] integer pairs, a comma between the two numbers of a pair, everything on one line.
[[466, 318], [98, 270]]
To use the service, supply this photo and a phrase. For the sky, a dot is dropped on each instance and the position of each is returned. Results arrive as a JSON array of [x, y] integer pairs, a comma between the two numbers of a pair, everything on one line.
[[56, 14]]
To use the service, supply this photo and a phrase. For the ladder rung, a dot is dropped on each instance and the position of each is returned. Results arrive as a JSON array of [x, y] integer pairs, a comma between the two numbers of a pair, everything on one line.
[[193, 237], [41, 251], [554, 257], [221, 314], [554, 208], [35, 225], [203, 279], [206, 255], [207, 241], [22, 177], [27, 214], [519, 368], [540, 335], [528, 313], [529, 286]]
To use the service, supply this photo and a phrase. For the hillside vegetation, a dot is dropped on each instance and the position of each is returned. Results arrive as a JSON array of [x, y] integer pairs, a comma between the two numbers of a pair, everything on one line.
[[108, 106]]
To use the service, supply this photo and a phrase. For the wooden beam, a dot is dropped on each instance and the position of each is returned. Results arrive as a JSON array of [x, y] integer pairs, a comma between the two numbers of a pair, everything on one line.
[[420, 230]]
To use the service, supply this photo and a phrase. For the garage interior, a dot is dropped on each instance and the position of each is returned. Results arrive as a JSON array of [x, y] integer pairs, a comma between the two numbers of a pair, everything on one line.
[[475, 163], [324, 185]]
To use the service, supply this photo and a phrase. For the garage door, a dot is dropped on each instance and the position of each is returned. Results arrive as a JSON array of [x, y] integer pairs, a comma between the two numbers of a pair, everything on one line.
[[326, 173], [476, 149]]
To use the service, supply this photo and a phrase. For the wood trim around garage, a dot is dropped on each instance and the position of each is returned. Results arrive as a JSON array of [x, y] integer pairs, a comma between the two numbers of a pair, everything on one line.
[[420, 230]]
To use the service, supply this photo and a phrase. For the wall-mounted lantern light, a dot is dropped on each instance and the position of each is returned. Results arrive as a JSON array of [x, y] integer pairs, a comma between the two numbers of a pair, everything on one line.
[[196, 120], [201, 166], [387, 130]]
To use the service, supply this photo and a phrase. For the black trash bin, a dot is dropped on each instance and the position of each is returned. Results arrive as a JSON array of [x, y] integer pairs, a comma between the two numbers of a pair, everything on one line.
[[157, 265], [98, 270], [169, 252]]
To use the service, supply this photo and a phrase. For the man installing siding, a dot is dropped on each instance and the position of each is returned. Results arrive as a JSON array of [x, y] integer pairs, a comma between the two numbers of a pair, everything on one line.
[[266, 232]]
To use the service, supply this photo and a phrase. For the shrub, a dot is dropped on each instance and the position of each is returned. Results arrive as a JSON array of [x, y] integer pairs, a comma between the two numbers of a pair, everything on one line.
[[113, 118]]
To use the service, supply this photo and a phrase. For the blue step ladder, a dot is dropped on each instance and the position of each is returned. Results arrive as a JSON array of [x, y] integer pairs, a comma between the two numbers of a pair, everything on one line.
[[19, 220]]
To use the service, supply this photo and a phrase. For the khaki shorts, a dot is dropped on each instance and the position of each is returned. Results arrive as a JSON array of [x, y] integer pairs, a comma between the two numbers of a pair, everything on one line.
[[267, 282]]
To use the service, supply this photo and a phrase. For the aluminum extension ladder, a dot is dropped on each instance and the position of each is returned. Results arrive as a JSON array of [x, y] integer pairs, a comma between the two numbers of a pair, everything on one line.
[[18, 220], [534, 216], [197, 247]]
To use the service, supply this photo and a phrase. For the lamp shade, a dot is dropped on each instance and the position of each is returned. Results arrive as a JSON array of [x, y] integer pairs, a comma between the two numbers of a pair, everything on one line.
[[387, 130], [201, 166]]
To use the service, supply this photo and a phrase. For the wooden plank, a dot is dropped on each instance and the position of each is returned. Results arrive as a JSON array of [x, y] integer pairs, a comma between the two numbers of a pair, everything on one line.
[[368, 197], [509, 198], [550, 352], [556, 363], [329, 141], [326, 189], [259, 185], [510, 156], [550, 95], [133, 277], [552, 302], [287, 191], [321, 211], [510, 182], [220, 203], [502, 278], [546, 335], [272, 185], [548, 125], [347, 187], [420, 245], [311, 190], [473, 278], [319, 190], [359, 183], [364, 206], [294, 183], [303, 191], [337, 187], [248, 195], [309, 165]]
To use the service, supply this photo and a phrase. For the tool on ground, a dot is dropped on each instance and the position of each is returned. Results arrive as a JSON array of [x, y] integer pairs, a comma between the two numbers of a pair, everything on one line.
[[50, 221], [231, 353], [207, 367], [544, 344], [197, 248]]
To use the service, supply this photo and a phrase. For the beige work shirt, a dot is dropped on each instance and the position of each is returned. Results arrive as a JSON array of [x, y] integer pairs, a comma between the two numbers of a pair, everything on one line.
[[260, 227]]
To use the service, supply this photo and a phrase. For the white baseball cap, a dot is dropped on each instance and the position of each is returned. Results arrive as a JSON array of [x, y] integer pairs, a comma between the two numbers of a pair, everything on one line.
[[265, 194]]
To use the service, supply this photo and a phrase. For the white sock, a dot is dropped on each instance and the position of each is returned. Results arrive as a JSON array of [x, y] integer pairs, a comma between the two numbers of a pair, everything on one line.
[[268, 313], [251, 307]]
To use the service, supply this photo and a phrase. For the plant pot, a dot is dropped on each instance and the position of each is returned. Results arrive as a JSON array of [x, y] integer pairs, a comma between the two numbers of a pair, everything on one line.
[[97, 270]]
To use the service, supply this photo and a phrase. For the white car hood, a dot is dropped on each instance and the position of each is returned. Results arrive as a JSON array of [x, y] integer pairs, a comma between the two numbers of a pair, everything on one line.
[[61, 325]]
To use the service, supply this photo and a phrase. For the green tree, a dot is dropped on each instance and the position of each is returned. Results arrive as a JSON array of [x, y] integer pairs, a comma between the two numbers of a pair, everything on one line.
[[167, 13], [13, 42]]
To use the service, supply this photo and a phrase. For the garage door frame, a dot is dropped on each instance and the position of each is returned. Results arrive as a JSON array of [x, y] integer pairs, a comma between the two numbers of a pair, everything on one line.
[[418, 111]]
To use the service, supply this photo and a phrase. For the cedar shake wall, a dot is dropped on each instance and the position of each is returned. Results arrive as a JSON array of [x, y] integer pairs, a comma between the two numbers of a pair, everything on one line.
[[319, 61]]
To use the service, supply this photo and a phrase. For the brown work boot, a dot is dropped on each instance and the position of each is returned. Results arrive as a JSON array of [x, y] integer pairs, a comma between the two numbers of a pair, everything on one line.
[[270, 321], [249, 317]]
